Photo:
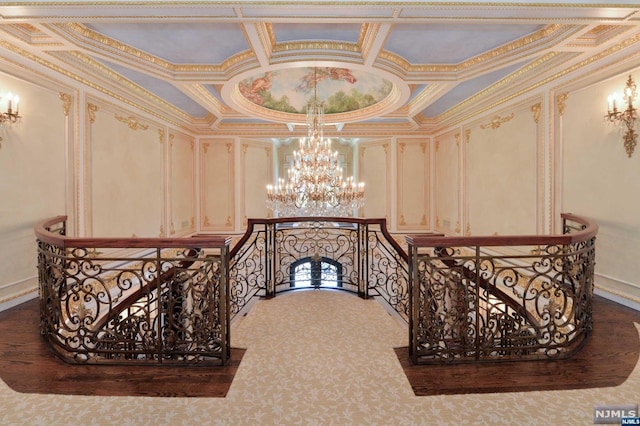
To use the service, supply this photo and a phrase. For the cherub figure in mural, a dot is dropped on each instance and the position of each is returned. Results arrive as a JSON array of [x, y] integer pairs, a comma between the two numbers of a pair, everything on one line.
[[342, 74], [256, 89], [316, 75]]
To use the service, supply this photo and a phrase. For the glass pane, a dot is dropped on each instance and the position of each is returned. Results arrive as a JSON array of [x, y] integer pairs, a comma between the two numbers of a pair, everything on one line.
[[302, 275], [329, 275]]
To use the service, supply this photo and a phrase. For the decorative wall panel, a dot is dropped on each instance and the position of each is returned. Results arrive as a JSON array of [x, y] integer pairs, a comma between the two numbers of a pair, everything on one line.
[[257, 165], [447, 188], [217, 184], [502, 173], [374, 159], [413, 183], [125, 175], [182, 184]]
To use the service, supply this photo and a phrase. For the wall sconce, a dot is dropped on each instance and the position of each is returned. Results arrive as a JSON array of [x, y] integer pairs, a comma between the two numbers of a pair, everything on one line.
[[625, 117], [13, 113]]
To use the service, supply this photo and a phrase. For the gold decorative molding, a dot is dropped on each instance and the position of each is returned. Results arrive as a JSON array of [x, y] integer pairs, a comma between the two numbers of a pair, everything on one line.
[[206, 221], [560, 102], [401, 145], [131, 122], [205, 147], [437, 221], [317, 45], [457, 230], [402, 222], [66, 102], [229, 148], [437, 145], [91, 110], [468, 231], [423, 146], [161, 135], [385, 147], [172, 138], [245, 148], [228, 222], [497, 121], [172, 229], [467, 135], [457, 137], [162, 234], [535, 109], [423, 221]]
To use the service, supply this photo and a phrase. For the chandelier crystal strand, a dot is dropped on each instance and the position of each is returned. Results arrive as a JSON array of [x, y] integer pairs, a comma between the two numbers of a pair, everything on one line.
[[315, 185]]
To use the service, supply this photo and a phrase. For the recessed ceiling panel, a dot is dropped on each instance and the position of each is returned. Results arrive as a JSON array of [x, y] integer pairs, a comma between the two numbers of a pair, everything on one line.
[[303, 32], [451, 44], [544, 12], [179, 43], [329, 10], [165, 91], [467, 89]]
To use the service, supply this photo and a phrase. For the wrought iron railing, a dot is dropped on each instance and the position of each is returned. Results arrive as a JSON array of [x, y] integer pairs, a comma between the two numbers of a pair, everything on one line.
[[501, 298], [171, 300], [139, 300], [371, 262]]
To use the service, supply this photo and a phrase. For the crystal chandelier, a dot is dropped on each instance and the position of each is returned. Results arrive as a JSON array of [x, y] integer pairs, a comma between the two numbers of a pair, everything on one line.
[[315, 185]]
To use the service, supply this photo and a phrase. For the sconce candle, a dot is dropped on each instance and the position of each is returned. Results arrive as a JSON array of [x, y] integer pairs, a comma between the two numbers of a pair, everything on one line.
[[626, 117], [10, 115]]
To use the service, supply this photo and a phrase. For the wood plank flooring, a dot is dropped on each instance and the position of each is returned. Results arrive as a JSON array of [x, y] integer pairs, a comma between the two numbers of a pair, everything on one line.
[[28, 365], [607, 359]]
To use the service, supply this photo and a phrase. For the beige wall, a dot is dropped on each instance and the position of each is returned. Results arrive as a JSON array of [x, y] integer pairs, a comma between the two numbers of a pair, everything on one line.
[[33, 163], [598, 180]]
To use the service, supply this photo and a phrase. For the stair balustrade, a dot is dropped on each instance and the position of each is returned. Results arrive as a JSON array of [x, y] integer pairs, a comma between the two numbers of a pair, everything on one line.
[[168, 301], [501, 298]]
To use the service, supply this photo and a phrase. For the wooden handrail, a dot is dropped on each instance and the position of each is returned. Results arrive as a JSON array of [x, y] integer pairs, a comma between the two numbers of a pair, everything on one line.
[[427, 240], [206, 241], [353, 220]]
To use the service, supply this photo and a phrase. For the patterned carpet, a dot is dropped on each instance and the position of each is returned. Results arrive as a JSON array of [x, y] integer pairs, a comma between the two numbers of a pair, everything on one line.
[[319, 358]]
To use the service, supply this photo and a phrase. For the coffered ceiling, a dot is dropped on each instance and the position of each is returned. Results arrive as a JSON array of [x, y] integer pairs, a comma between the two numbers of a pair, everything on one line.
[[229, 66]]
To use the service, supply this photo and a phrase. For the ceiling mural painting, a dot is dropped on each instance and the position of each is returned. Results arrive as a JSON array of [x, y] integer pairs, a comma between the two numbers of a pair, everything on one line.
[[339, 89]]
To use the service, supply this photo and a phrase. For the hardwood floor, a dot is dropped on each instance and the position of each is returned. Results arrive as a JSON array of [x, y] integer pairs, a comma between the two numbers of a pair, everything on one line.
[[607, 359], [28, 365]]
